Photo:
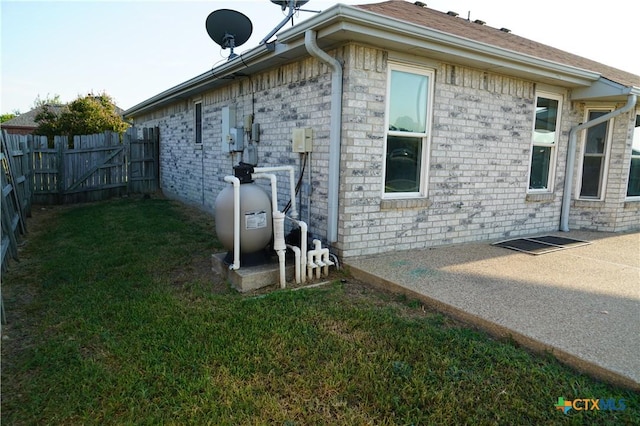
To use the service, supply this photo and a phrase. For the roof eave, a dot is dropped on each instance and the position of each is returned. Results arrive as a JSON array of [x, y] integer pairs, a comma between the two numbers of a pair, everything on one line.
[[604, 90], [343, 22], [207, 80]]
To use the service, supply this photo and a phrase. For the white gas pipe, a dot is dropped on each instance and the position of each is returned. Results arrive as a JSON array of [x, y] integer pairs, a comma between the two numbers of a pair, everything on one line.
[[236, 221]]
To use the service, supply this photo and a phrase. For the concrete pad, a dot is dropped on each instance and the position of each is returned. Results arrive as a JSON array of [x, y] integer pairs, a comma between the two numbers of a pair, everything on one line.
[[582, 303], [249, 278]]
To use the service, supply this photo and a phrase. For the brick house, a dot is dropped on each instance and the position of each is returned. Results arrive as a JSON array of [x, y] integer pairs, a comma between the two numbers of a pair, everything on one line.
[[427, 129]]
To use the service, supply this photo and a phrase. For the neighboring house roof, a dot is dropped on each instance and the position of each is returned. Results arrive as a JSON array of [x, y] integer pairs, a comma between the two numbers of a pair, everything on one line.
[[402, 26], [28, 119], [478, 31]]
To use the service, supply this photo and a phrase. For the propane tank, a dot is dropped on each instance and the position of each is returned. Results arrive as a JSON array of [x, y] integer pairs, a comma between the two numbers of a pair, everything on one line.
[[256, 223]]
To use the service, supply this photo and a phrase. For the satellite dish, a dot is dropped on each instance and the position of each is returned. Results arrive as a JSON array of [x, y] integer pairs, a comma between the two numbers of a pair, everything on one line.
[[294, 6], [288, 3], [229, 29]]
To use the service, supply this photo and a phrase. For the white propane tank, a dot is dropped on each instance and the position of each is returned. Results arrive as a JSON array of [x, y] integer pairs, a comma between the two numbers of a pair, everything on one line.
[[256, 224]]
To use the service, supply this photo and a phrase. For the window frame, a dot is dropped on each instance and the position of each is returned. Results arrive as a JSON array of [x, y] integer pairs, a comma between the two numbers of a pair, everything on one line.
[[425, 136], [605, 154], [197, 125], [551, 176], [635, 133]]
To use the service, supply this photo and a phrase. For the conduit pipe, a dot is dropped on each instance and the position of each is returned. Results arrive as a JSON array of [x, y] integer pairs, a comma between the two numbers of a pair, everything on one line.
[[571, 157], [296, 253], [292, 183], [274, 187], [236, 221], [303, 247], [334, 132], [279, 244]]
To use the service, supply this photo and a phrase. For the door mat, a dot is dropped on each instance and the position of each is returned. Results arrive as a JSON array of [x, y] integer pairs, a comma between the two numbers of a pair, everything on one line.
[[541, 245]]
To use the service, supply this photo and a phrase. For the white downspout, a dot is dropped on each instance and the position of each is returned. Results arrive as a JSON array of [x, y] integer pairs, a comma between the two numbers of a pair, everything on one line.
[[571, 157], [334, 133], [236, 221]]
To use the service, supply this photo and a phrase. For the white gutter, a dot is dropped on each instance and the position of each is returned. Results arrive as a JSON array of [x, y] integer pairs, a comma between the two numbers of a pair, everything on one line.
[[571, 156], [334, 132]]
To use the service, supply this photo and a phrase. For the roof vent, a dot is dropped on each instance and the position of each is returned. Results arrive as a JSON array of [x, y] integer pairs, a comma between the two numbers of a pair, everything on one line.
[[505, 30], [450, 13], [479, 22], [420, 4]]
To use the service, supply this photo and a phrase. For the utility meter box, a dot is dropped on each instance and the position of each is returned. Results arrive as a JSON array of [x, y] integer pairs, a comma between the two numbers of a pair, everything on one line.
[[302, 140], [236, 139], [228, 122]]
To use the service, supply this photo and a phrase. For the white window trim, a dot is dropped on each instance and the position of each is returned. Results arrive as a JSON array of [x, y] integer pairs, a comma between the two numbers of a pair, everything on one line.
[[426, 143], [554, 147], [195, 123], [635, 197], [607, 151]]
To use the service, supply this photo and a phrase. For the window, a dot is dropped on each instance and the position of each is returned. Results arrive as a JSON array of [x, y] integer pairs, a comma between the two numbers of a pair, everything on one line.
[[407, 138], [594, 158], [198, 123], [545, 140], [633, 188]]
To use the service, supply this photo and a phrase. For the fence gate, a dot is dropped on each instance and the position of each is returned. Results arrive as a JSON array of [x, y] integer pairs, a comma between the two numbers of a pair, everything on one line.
[[144, 155], [98, 167]]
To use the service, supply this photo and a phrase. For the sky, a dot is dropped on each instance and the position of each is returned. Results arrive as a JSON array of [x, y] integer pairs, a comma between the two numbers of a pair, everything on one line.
[[135, 49]]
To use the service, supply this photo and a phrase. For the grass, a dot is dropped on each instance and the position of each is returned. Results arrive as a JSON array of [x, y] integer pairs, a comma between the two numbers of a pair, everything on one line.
[[115, 318]]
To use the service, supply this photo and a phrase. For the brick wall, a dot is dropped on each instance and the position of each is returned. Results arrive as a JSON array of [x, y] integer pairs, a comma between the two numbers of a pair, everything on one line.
[[478, 165], [292, 96], [613, 213]]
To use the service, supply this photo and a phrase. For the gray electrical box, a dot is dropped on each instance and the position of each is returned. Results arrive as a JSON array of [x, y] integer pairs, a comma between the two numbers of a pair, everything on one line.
[[236, 139], [228, 114]]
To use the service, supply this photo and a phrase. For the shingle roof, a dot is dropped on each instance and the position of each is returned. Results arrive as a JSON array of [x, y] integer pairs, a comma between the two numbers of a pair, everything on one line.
[[28, 119], [420, 15]]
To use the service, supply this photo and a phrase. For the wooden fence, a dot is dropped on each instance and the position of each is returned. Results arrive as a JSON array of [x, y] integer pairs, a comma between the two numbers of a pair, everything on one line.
[[98, 167]]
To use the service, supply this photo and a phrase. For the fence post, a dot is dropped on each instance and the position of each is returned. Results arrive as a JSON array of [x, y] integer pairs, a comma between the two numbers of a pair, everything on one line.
[[60, 143]]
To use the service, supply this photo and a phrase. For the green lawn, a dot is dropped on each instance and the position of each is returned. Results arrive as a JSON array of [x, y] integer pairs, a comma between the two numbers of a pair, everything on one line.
[[115, 318]]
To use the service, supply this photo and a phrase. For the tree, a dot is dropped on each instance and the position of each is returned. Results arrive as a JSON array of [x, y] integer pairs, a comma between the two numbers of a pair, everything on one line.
[[54, 100], [8, 116], [85, 116]]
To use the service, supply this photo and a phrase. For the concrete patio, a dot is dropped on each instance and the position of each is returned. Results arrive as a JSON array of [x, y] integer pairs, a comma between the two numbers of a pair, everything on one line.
[[582, 304]]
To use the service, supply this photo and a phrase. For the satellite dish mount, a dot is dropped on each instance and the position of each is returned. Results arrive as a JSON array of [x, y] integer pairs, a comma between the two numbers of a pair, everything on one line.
[[229, 29], [229, 41], [294, 6]]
